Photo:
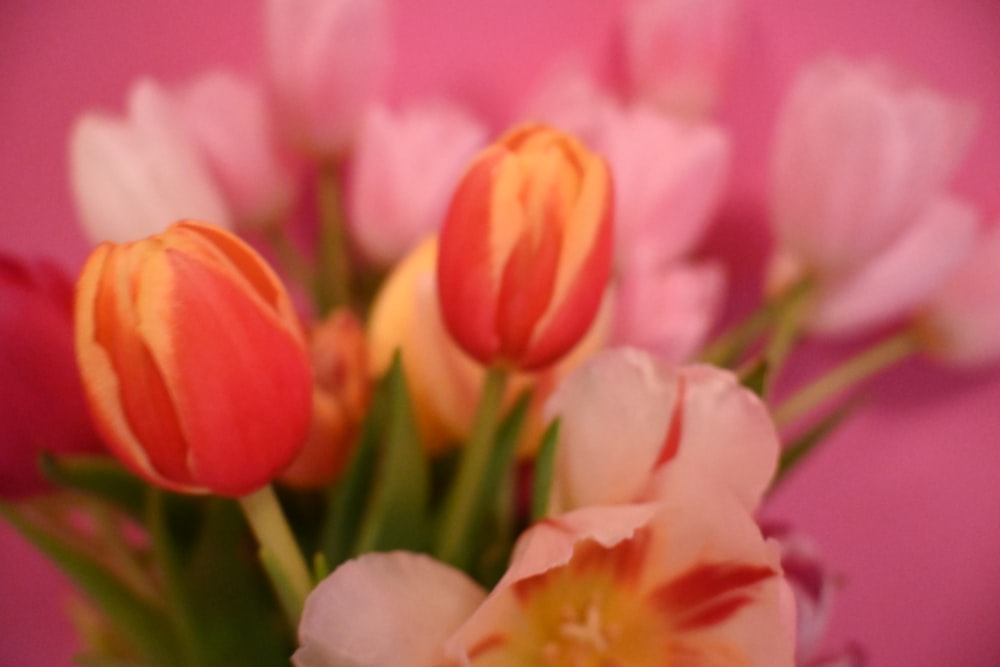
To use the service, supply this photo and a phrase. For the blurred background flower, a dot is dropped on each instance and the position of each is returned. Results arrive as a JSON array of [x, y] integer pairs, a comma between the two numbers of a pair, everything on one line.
[[902, 501]]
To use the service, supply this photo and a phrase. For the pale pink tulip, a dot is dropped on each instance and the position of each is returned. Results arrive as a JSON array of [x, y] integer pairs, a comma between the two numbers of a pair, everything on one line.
[[961, 323], [405, 168], [678, 52], [570, 99], [327, 61], [859, 154], [626, 421], [687, 580], [230, 123], [384, 610], [686, 299], [133, 177], [898, 280]]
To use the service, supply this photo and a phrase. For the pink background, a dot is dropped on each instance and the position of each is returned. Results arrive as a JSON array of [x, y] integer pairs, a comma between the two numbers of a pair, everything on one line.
[[904, 501]]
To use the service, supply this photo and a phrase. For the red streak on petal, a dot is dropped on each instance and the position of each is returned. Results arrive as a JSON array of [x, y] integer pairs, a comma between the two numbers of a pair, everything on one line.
[[672, 442], [487, 644], [465, 261], [709, 594]]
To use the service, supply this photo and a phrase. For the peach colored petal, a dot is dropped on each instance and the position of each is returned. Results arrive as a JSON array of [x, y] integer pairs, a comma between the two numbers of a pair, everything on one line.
[[384, 610]]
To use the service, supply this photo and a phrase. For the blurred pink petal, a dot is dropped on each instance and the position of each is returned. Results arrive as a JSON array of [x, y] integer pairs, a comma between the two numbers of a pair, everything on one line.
[[230, 123], [625, 421], [637, 585], [133, 177], [686, 299], [669, 180], [858, 154], [961, 323], [41, 398], [678, 52], [899, 279], [384, 610], [405, 168], [327, 61], [570, 98]]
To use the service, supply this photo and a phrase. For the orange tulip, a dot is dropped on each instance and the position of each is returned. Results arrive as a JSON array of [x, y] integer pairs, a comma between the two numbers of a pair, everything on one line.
[[526, 249], [192, 359], [341, 395]]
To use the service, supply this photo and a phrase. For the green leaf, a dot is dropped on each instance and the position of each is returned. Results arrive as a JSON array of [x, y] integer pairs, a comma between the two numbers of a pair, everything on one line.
[[545, 462], [397, 512], [143, 623], [98, 476], [756, 377], [798, 451]]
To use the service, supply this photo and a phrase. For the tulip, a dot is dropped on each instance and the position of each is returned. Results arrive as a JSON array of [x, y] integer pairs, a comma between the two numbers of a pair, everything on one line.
[[858, 155], [526, 248], [678, 52], [443, 380], [327, 61], [960, 324], [230, 123], [133, 177], [341, 394], [192, 360], [405, 167], [41, 398]]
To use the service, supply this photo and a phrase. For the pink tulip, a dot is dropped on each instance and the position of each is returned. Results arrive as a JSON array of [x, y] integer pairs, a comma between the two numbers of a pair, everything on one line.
[[133, 177], [901, 278], [677, 52], [961, 323], [405, 168], [696, 416], [859, 154], [669, 180], [41, 398], [686, 298], [687, 580], [327, 61], [230, 123], [385, 610]]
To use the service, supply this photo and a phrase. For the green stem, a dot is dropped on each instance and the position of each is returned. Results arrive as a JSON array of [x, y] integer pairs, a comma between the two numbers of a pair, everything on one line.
[[731, 345], [290, 257], [792, 310], [853, 371], [279, 552], [463, 498], [333, 273]]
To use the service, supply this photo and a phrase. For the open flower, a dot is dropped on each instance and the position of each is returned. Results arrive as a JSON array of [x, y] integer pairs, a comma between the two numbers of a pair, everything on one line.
[[687, 580], [699, 415], [41, 398], [327, 61], [404, 169], [525, 250], [229, 121], [192, 360], [133, 177]]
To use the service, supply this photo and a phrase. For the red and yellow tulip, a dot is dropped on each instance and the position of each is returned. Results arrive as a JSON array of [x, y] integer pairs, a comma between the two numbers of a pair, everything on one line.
[[192, 359]]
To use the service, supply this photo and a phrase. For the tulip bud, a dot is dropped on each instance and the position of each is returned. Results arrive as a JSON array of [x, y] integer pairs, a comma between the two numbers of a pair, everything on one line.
[[341, 394], [526, 248], [192, 360]]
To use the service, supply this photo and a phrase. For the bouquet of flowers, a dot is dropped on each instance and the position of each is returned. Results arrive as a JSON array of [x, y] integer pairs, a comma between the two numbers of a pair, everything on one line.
[[352, 383]]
